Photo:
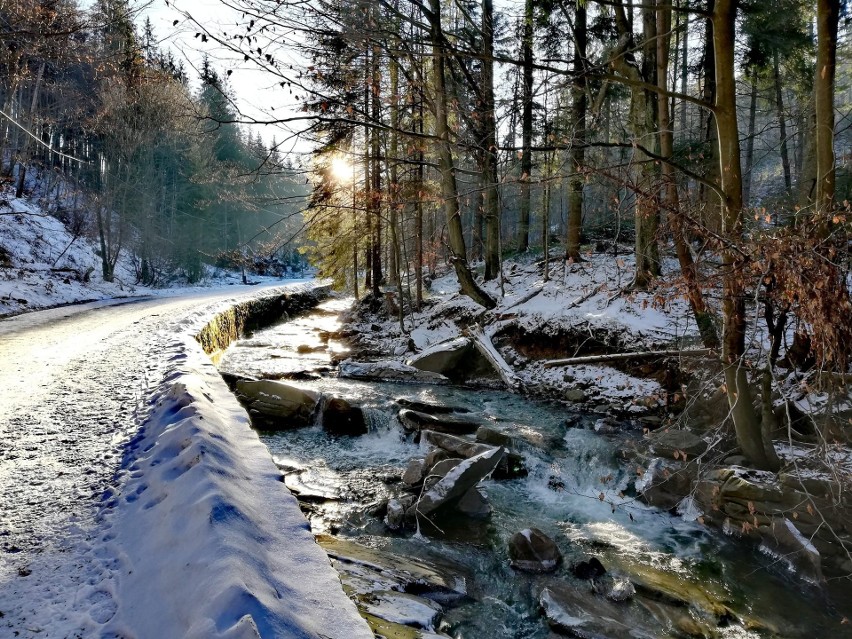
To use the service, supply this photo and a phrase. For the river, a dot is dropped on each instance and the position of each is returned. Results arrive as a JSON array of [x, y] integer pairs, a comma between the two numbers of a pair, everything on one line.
[[689, 580]]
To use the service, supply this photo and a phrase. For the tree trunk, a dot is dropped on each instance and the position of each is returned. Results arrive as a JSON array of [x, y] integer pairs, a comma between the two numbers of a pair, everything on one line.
[[418, 221], [376, 174], [23, 155], [749, 154], [684, 73], [368, 184], [703, 317], [490, 201], [782, 121], [712, 205], [103, 236], [647, 219], [449, 189], [828, 12], [577, 153], [746, 421], [394, 203], [526, 128]]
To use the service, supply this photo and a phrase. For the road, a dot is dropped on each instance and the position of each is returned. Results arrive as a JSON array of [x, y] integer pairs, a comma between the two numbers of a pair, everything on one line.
[[73, 382]]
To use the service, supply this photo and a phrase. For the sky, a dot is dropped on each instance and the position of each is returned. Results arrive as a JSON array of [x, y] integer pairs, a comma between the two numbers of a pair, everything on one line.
[[257, 95]]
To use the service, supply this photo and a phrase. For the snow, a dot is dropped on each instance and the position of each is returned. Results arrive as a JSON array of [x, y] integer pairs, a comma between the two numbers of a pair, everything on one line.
[[43, 265], [201, 503], [592, 296], [197, 536]]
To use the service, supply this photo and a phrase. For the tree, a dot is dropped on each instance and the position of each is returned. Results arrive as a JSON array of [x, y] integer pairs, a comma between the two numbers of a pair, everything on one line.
[[446, 167], [750, 435]]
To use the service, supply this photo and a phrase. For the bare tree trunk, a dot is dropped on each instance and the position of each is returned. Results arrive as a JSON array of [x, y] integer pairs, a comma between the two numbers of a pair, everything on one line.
[[368, 184], [828, 12], [749, 154], [526, 128], [577, 154], [376, 174], [394, 200], [746, 421], [418, 221], [782, 121], [490, 203], [23, 155], [684, 73], [703, 317], [647, 219], [449, 189], [712, 204]]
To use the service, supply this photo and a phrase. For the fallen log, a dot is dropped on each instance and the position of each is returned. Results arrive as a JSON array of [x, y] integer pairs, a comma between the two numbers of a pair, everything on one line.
[[620, 357], [483, 344]]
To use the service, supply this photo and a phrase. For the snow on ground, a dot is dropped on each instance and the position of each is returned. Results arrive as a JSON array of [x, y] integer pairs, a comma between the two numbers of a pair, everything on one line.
[[197, 536], [233, 556], [592, 296], [43, 265]]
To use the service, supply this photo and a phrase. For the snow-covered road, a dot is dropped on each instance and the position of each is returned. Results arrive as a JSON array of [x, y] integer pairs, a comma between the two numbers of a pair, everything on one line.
[[75, 385]]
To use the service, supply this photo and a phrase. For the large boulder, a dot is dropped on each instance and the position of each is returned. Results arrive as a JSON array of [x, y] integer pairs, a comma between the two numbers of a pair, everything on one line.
[[339, 417], [273, 404], [444, 358], [415, 421], [388, 371], [783, 539], [531, 550], [676, 443], [510, 466], [453, 486]]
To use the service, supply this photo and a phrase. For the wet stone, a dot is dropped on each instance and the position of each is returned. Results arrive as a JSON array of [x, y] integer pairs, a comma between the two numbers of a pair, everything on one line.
[[589, 569], [533, 551]]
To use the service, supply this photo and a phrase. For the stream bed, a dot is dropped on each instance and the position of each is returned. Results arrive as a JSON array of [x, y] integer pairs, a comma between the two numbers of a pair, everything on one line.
[[451, 576]]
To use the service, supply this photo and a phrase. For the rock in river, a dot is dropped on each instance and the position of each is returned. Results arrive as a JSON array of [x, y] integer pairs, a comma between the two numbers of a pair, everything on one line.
[[415, 421], [390, 371], [339, 417], [533, 551], [443, 358], [458, 481], [277, 405]]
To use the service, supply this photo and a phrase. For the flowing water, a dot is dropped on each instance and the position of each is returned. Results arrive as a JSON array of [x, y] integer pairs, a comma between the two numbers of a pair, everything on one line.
[[577, 491]]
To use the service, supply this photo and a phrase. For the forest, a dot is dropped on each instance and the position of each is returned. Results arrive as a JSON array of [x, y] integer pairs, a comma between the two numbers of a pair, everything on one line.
[[116, 138], [466, 133]]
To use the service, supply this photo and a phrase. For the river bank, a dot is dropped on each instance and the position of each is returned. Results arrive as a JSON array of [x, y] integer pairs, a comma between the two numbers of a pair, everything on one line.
[[664, 573], [684, 445]]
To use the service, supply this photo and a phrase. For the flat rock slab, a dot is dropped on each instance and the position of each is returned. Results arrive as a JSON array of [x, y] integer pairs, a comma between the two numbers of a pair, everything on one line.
[[458, 481], [415, 421], [401, 608], [372, 569], [388, 371], [432, 409]]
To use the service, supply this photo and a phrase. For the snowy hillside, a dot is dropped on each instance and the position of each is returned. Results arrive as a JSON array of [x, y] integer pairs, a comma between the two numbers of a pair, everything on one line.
[[42, 264]]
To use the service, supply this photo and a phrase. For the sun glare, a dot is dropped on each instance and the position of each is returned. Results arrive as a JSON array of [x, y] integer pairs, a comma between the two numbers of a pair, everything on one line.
[[342, 169]]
